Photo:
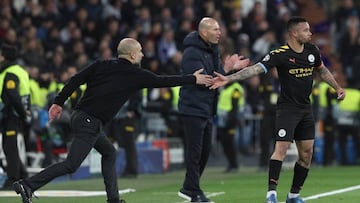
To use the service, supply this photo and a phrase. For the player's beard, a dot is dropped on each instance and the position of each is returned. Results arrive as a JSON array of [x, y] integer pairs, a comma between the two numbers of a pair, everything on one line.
[[302, 41]]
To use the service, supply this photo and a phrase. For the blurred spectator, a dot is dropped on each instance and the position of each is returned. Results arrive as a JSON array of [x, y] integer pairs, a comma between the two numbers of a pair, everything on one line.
[[113, 30], [172, 67], [346, 9], [94, 9], [166, 46], [156, 7], [43, 29], [130, 11], [280, 20], [51, 11], [33, 9], [65, 32], [4, 27], [53, 39], [33, 53], [82, 16], [7, 12], [68, 9], [167, 20], [185, 27], [112, 9], [12, 39], [144, 20], [150, 53], [349, 49], [237, 24], [55, 64], [263, 45], [156, 32], [226, 43], [90, 37]]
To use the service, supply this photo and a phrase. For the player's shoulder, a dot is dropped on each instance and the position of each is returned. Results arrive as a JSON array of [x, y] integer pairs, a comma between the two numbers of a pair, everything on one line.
[[311, 47], [280, 50]]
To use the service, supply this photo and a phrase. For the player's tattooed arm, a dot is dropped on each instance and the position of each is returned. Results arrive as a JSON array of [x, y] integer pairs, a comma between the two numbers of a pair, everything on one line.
[[245, 73], [326, 75], [221, 80]]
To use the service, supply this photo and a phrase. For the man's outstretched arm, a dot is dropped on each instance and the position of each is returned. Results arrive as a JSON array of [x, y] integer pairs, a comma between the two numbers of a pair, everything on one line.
[[221, 80]]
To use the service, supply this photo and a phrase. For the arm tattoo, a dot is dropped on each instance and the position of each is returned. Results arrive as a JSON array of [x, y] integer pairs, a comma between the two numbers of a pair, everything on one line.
[[328, 77], [246, 72]]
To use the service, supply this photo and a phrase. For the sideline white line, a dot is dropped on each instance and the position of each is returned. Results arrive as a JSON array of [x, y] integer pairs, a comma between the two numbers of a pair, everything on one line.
[[65, 193], [334, 192]]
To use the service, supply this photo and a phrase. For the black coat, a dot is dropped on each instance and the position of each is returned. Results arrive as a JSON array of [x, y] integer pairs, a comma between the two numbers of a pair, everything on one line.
[[198, 100]]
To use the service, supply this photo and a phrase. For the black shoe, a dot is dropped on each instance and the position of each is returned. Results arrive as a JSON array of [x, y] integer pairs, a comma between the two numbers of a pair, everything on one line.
[[122, 201], [23, 190], [201, 198], [186, 194]]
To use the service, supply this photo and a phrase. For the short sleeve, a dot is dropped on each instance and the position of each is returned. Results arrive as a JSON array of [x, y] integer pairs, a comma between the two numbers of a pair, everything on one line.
[[270, 61]]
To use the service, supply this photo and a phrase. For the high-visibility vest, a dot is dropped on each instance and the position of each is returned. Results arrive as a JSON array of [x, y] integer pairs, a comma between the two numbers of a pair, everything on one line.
[[24, 87], [349, 108], [351, 103], [227, 94], [37, 97], [176, 92], [323, 88]]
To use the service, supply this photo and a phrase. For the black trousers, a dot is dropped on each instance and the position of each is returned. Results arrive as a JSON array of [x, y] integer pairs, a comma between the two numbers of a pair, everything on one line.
[[227, 139], [87, 133], [330, 130], [15, 169], [198, 133]]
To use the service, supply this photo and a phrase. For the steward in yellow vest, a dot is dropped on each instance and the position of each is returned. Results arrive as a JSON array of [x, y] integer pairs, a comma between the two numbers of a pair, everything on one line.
[[15, 95], [231, 101], [348, 121]]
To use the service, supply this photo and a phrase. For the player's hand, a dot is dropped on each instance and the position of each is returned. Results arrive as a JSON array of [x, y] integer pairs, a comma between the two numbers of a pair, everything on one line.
[[54, 112], [235, 62], [241, 63], [202, 79], [219, 81], [341, 94]]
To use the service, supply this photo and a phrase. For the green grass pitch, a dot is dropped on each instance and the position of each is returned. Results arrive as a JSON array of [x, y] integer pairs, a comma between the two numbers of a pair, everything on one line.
[[246, 186]]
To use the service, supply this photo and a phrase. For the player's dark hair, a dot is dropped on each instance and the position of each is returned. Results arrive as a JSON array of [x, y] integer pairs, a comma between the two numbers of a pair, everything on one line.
[[293, 21]]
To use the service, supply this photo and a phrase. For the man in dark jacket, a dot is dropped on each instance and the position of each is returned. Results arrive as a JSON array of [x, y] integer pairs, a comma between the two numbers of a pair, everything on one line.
[[110, 83], [198, 104]]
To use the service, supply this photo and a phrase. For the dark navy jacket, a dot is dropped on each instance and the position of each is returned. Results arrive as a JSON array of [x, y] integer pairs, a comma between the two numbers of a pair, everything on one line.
[[198, 100]]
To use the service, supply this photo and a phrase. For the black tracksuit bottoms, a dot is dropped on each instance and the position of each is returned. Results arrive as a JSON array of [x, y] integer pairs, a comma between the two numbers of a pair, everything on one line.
[[87, 133], [198, 134]]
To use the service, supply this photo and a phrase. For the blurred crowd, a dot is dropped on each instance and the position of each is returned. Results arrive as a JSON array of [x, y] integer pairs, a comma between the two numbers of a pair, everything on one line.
[[57, 38]]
